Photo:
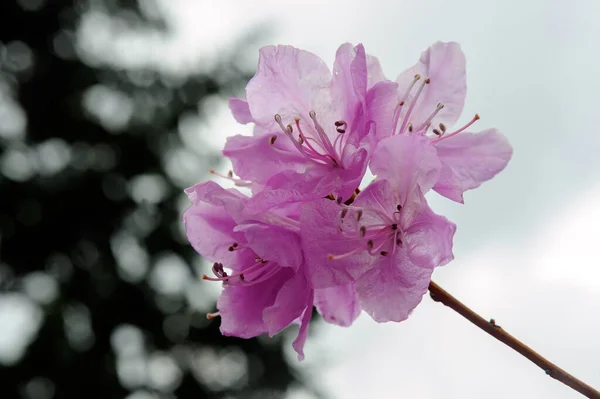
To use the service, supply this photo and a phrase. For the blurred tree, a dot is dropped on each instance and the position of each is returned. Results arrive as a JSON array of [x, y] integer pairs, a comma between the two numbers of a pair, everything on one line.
[[92, 165]]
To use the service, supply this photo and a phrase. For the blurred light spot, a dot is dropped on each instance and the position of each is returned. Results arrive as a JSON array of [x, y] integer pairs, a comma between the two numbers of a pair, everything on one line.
[[163, 373], [131, 371], [31, 5], [7, 277], [82, 156], [127, 340], [221, 370], [114, 187], [39, 388], [111, 107], [132, 258], [150, 188], [78, 327], [29, 212], [16, 165], [142, 395], [60, 267], [63, 44], [18, 57], [13, 120], [142, 220], [54, 154], [141, 78], [105, 157], [20, 319], [40, 287], [170, 275], [176, 327], [86, 254], [183, 166]]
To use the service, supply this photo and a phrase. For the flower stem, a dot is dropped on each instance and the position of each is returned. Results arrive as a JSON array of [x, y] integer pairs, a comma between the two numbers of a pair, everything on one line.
[[438, 294]]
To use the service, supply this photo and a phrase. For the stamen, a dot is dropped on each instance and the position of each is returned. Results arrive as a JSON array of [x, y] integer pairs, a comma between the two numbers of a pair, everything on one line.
[[322, 135], [229, 176], [394, 226], [272, 140], [412, 104], [286, 129], [430, 117], [454, 133], [383, 253], [363, 231], [211, 316], [340, 126], [359, 215], [342, 256], [343, 213], [443, 128], [398, 207], [437, 132]]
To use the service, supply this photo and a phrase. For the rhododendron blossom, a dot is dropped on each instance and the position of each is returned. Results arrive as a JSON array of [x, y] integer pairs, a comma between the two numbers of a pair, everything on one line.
[[305, 235]]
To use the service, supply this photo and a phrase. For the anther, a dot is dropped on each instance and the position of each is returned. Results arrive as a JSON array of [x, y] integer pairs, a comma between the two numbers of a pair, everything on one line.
[[370, 244], [231, 249], [398, 242], [242, 277], [300, 140], [339, 200], [272, 140], [230, 173], [341, 126], [394, 226], [410, 127], [383, 253], [343, 213], [437, 132], [427, 80], [442, 127], [359, 215], [363, 231], [398, 207]]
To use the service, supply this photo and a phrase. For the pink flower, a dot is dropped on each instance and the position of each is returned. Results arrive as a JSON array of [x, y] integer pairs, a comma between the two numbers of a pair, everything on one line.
[[388, 242], [431, 95], [311, 123], [267, 289]]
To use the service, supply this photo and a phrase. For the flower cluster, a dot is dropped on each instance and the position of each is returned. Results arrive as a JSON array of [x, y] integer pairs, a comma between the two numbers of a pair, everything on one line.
[[306, 235]]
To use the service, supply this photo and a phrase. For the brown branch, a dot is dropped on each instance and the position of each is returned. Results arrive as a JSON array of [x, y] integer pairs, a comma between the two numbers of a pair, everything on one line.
[[438, 294]]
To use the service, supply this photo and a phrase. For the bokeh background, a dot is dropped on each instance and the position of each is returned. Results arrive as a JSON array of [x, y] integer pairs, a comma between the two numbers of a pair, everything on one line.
[[109, 108]]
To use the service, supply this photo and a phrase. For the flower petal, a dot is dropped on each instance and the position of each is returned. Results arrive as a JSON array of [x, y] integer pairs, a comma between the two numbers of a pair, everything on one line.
[[338, 305], [242, 306], [287, 82], [300, 340], [210, 230], [393, 288], [274, 243], [349, 80], [240, 110], [428, 238], [470, 159], [319, 222], [445, 65], [406, 161], [257, 158], [291, 301], [374, 71]]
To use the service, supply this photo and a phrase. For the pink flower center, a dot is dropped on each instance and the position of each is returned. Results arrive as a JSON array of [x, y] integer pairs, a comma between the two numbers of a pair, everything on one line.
[[402, 120], [375, 230], [254, 273], [314, 143]]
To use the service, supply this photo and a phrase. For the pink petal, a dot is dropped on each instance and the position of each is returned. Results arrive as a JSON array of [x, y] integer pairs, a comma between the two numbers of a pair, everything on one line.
[[241, 307], [470, 159], [255, 159], [349, 81], [274, 243], [444, 64], [287, 82], [428, 238], [381, 101], [321, 238], [374, 72], [338, 305], [240, 110], [300, 340], [210, 192], [393, 288], [210, 231], [291, 301], [406, 161]]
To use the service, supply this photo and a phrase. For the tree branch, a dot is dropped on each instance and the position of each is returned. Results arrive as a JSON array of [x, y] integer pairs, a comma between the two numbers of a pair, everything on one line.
[[438, 294]]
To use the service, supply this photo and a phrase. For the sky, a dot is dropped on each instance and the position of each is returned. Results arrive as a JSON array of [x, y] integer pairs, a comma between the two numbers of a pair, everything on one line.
[[525, 244]]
